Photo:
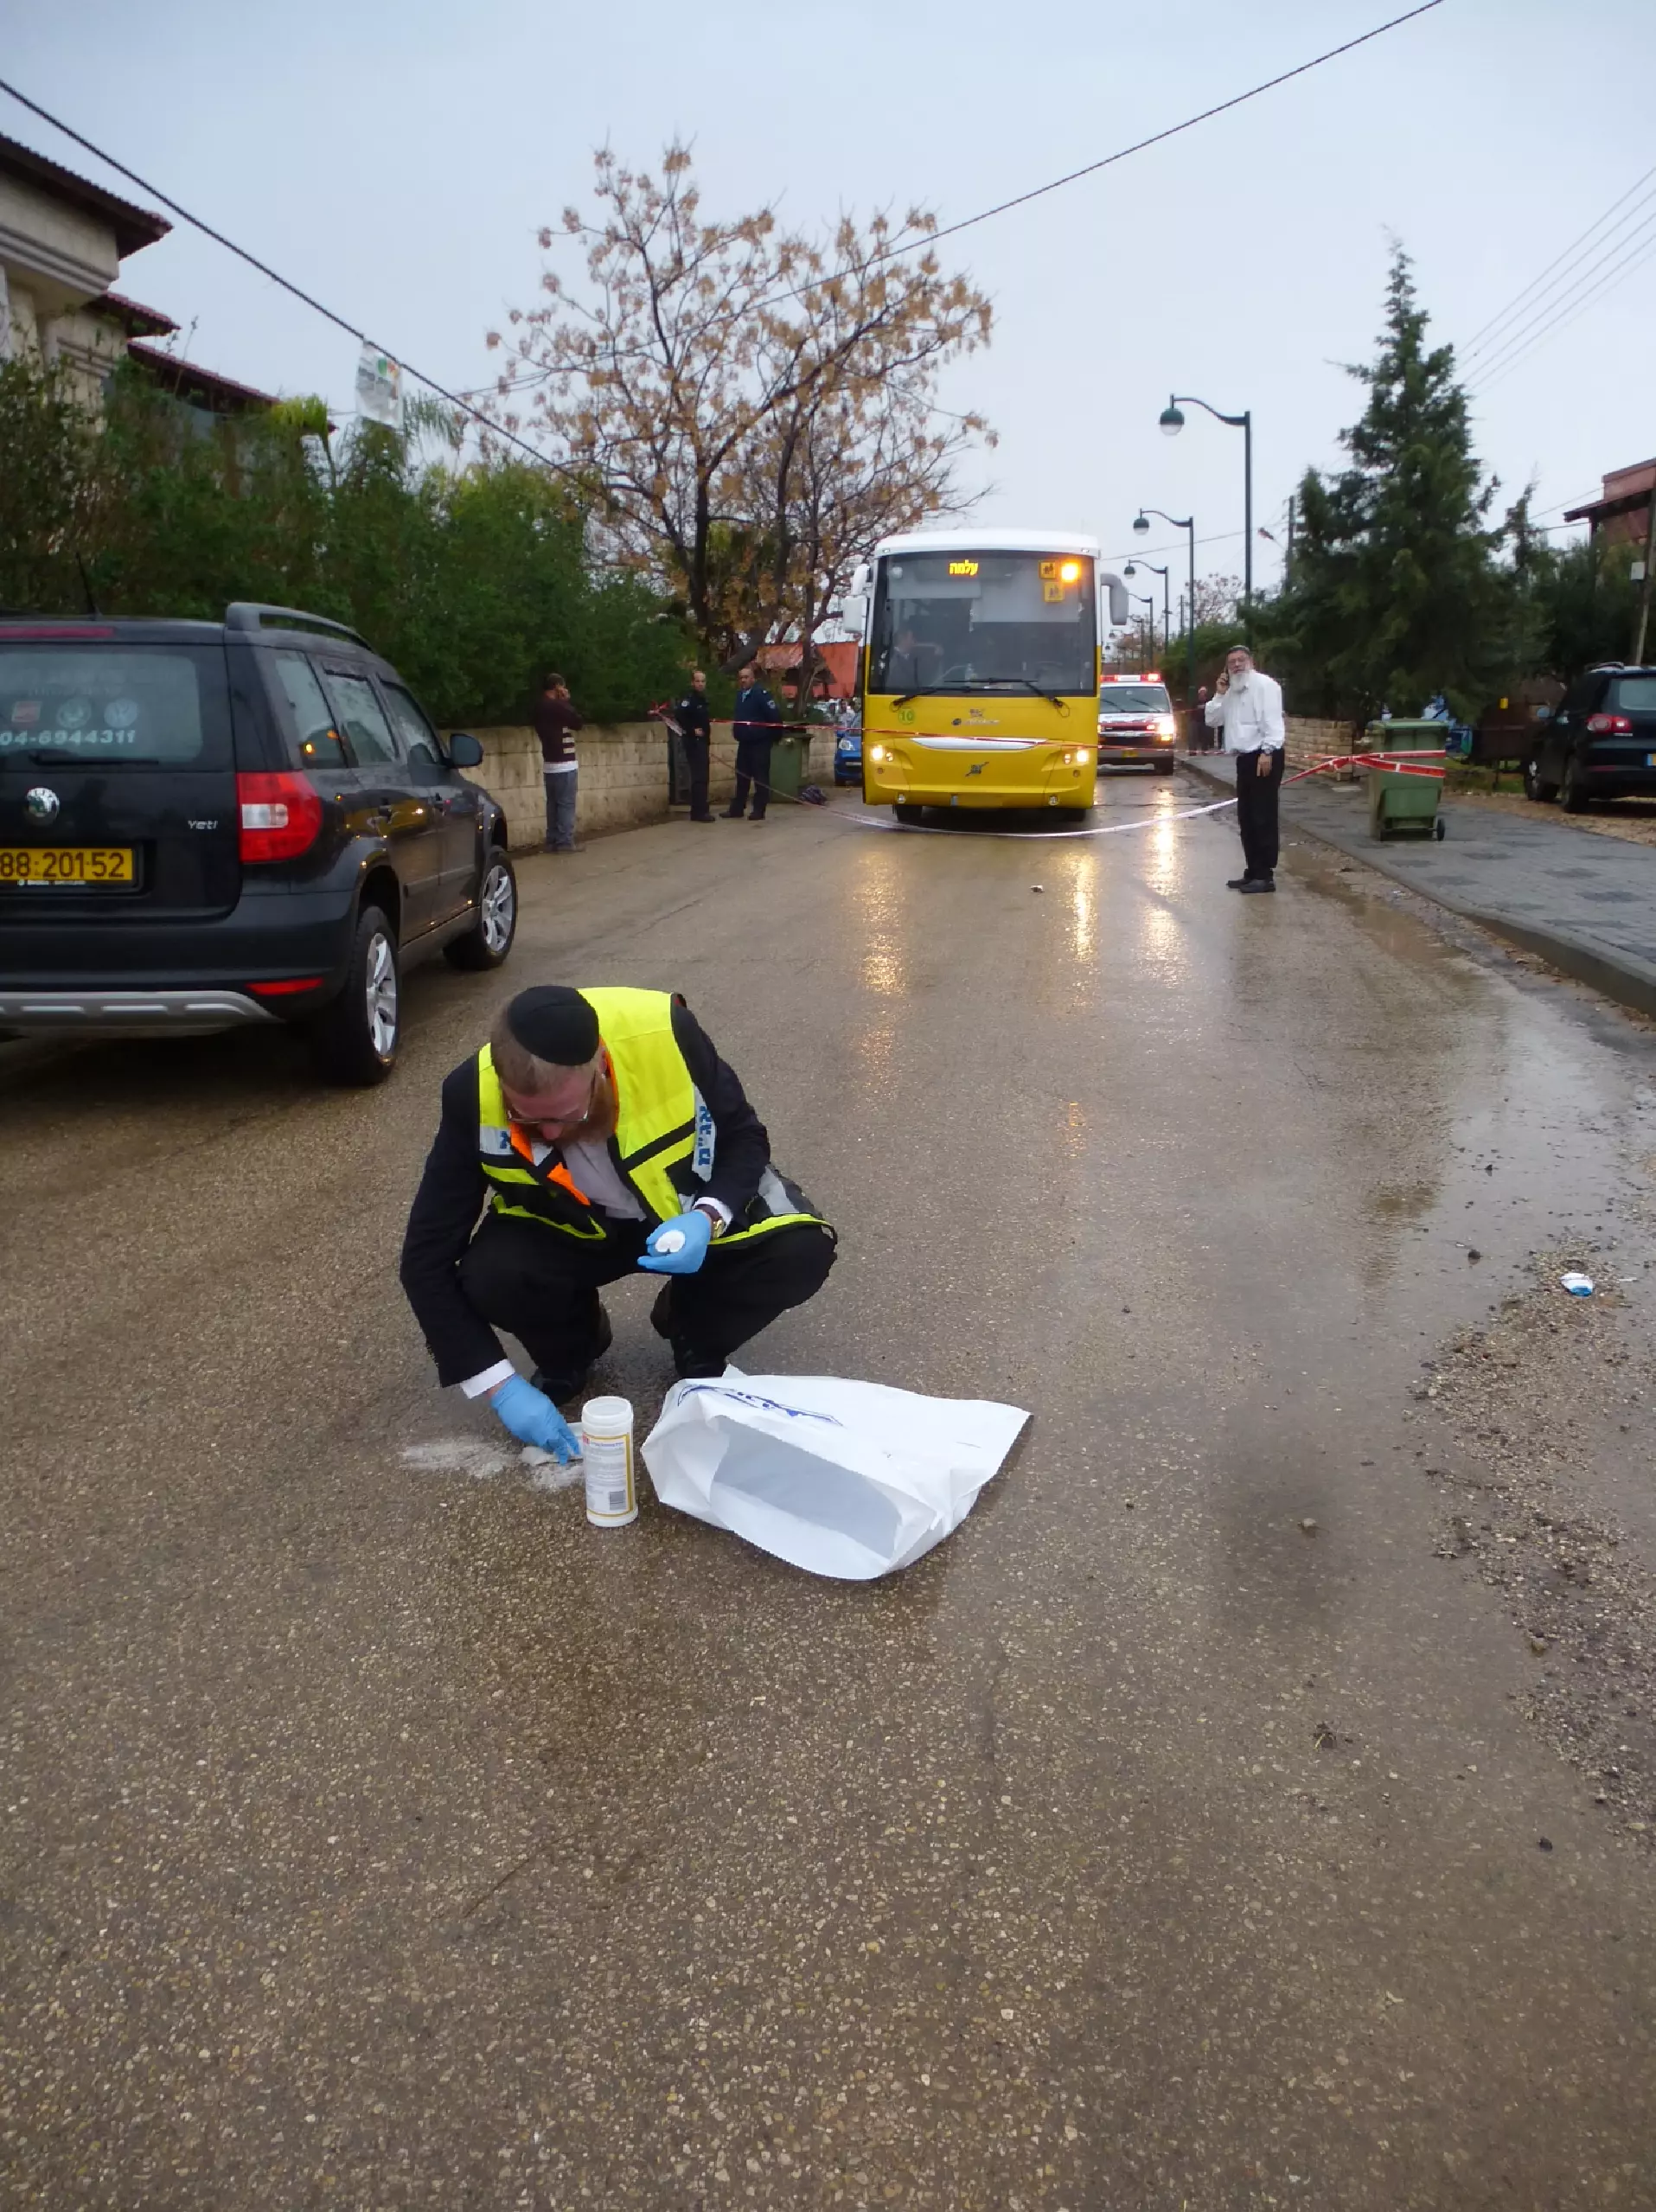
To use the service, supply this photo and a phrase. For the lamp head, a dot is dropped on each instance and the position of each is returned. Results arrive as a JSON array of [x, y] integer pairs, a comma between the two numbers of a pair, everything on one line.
[[1130, 569], [1171, 420], [1142, 526]]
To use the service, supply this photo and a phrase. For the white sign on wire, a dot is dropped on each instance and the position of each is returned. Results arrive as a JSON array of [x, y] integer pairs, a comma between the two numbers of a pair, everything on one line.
[[379, 388]]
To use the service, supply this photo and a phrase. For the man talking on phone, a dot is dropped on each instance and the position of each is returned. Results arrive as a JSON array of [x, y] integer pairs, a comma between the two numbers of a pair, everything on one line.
[[1247, 706]]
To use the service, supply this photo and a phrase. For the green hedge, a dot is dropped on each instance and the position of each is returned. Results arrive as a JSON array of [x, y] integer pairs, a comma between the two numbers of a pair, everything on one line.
[[473, 580]]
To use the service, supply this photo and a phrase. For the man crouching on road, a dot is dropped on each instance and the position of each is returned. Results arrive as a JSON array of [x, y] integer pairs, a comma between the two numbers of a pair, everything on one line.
[[604, 1133]]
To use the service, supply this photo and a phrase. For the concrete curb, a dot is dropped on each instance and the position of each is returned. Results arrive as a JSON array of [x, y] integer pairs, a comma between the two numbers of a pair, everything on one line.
[[1621, 976]]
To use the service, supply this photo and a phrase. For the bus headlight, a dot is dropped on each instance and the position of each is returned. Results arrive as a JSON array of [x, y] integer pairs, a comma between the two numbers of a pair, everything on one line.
[[1076, 757], [877, 753]]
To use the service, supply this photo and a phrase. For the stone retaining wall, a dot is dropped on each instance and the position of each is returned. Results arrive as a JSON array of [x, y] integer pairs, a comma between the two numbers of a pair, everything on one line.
[[1310, 741], [623, 776]]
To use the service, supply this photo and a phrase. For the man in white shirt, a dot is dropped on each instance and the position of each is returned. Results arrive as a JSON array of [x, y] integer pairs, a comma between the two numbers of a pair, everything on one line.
[[1247, 706]]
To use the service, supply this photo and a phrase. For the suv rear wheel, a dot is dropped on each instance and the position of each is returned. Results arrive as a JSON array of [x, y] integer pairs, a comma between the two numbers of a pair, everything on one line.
[[355, 1037], [1536, 785], [490, 939]]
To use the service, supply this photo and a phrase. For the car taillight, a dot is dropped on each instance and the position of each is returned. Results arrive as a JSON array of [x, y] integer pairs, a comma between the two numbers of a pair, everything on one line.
[[281, 816], [1608, 725]]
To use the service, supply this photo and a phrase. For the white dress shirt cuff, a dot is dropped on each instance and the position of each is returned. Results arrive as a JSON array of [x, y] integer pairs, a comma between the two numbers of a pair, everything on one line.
[[477, 1386]]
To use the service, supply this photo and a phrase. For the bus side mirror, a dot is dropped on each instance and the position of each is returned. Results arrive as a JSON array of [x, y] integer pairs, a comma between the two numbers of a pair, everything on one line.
[[1118, 606], [853, 613]]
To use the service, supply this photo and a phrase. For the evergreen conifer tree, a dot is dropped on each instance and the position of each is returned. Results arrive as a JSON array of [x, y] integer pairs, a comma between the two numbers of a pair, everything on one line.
[[1396, 593]]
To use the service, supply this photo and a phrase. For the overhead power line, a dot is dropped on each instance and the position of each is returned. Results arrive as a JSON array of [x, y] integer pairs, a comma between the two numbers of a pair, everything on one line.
[[1569, 309], [1477, 341], [968, 222], [454, 399], [1107, 161], [1564, 292], [1607, 252]]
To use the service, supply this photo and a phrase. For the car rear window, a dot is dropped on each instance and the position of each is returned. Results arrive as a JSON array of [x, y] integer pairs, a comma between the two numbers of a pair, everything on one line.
[[1634, 695], [145, 705]]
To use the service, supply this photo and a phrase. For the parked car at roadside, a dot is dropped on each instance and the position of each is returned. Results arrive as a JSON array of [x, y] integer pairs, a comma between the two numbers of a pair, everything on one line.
[[209, 824], [1600, 743], [848, 751]]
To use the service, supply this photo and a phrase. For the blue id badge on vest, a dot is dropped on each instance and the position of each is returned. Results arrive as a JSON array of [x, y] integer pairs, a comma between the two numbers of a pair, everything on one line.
[[497, 1142], [702, 1160]]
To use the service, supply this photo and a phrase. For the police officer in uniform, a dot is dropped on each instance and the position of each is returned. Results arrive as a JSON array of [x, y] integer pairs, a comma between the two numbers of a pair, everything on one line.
[[602, 1133], [695, 727], [754, 723]]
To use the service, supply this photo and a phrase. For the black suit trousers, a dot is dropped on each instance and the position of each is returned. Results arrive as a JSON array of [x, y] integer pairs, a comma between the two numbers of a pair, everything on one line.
[[1256, 796], [543, 1285], [696, 751], [752, 767]]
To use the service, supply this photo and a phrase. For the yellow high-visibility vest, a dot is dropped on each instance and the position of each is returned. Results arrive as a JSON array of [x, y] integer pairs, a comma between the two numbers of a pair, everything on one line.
[[663, 1124]]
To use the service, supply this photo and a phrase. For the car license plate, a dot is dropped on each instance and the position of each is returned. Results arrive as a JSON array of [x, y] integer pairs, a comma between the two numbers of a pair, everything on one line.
[[69, 864]]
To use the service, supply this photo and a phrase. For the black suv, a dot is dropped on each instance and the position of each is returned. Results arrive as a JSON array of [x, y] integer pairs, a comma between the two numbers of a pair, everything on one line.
[[204, 824], [1601, 742]]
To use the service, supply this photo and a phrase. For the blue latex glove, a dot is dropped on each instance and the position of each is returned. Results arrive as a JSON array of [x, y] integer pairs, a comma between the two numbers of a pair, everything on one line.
[[534, 1419], [694, 1231]]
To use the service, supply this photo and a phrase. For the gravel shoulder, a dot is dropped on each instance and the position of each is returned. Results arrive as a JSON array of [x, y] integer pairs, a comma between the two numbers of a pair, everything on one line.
[[1633, 819]]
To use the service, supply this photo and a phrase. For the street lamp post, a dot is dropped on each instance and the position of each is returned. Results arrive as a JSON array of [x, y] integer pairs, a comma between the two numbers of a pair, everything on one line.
[[1148, 600], [1171, 423], [1132, 569], [1187, 524]]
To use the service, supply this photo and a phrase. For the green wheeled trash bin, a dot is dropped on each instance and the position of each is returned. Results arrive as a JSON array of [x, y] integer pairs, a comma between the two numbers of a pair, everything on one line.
[[788, 756], [1402, 805]]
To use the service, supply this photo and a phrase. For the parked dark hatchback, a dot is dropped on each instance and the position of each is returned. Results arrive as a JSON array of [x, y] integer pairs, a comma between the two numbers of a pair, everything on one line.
[[204, 824], [1601, 742]]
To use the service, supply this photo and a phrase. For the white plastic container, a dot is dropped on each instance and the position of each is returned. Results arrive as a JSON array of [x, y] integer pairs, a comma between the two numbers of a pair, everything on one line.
[[606, 1456]]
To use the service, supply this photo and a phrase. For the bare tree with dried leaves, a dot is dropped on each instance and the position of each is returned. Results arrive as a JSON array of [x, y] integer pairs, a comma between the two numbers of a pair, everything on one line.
[[746, 409]]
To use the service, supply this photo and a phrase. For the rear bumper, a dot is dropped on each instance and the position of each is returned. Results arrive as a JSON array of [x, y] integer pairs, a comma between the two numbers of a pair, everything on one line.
[[135, 977], [1612, 781], [127, 1013], [1135, 756]]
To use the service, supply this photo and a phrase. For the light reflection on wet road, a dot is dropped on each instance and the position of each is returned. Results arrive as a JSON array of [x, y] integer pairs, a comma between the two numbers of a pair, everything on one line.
[[376, 1835]]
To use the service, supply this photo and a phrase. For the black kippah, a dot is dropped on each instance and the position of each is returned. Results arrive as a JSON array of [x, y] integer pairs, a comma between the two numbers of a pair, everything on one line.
[[554, 1022]]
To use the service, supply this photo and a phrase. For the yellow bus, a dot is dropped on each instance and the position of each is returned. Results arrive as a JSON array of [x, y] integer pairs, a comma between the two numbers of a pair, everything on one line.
[[980, 669]]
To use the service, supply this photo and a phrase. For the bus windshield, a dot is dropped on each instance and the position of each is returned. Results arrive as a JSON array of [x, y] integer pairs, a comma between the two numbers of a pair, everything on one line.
[[965, 622]]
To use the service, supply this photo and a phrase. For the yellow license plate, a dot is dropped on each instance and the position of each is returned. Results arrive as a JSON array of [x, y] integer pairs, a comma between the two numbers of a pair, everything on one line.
[[72, 864]]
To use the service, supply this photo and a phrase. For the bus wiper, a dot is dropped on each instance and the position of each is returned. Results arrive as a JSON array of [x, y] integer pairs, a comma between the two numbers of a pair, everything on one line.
[[967, 685], [1039, 690]]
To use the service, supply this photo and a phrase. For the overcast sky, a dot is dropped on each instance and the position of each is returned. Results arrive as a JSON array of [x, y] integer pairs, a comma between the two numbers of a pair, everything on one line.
[[397, 161]]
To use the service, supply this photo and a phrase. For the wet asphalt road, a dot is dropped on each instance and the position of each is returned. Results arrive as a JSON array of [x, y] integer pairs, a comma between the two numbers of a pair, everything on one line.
[[373, 1833]]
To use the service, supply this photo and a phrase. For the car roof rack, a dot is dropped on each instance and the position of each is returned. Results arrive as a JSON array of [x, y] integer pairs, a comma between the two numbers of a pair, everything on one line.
[[254, 614]]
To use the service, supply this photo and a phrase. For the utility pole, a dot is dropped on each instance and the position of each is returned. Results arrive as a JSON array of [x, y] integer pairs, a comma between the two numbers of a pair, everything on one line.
[[1644, 589], [1287, 558]]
